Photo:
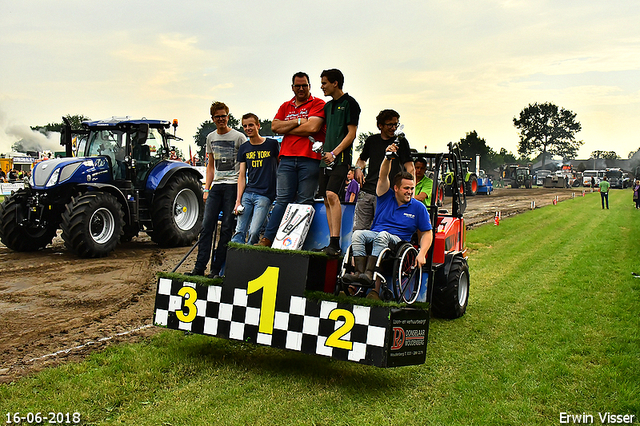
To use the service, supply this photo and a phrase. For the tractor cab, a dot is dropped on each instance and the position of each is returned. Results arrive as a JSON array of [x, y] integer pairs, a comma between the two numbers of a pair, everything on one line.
[[132, 147]]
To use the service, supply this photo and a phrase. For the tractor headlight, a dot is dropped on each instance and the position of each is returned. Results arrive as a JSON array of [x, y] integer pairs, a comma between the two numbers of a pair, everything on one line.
[[53, 180]]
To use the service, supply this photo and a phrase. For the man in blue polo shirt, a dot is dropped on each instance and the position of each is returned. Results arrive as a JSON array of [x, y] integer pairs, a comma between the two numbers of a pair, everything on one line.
[[398, 216]]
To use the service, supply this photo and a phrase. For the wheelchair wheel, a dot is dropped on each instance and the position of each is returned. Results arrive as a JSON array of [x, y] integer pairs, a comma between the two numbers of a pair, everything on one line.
[[347, 267], [407, 275]]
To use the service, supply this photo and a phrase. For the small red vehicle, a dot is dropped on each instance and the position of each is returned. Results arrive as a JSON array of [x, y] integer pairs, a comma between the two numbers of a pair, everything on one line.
[[444, 279]]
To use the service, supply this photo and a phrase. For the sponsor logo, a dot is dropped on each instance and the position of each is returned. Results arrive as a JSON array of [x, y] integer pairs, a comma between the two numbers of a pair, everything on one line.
[[405, 338], [398, 338]]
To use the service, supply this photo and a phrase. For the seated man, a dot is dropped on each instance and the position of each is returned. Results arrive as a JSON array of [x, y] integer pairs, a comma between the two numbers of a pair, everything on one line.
[[424, 185], [398, 215]]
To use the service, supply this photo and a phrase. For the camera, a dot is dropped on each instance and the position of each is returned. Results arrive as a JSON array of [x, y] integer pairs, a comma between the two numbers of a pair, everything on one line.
[[390, 155]]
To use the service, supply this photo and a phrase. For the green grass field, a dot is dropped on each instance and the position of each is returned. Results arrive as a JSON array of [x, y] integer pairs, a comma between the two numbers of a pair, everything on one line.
[[552, 327]]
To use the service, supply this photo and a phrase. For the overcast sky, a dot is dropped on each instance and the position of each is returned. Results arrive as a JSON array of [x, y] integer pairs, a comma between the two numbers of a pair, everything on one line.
[[448, 67]]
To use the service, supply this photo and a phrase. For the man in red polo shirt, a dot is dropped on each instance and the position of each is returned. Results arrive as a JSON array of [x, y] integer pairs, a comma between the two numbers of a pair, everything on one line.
[[298, 119]]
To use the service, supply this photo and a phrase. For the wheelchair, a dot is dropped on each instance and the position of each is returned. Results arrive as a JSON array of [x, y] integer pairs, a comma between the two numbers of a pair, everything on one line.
[[396, 268]]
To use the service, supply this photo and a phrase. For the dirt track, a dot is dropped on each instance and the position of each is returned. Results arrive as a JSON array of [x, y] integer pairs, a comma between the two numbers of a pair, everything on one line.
[[56, 308], [482, 208]]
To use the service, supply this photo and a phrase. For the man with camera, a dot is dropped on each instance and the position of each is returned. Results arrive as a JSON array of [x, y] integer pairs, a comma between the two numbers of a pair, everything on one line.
[[374, 150]]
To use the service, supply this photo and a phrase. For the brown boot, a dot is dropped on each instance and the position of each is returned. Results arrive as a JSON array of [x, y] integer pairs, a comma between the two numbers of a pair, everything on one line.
[[366, 279], [373, 295], [264, 242], [360, 266]]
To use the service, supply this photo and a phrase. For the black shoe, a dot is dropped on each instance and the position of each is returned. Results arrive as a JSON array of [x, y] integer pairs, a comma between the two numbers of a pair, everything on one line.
[[196, 272], [331, 251], [214, 275]]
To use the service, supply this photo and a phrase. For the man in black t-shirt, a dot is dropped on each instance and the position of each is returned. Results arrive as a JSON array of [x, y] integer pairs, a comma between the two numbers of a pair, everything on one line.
[[374, 151]]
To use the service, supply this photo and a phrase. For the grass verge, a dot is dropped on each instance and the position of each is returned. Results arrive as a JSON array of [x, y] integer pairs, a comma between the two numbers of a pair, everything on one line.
[[552, 327]]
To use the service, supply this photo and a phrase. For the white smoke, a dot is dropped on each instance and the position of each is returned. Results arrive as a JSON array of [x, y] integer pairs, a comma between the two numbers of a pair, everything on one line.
[[34, 141], [30, 140]]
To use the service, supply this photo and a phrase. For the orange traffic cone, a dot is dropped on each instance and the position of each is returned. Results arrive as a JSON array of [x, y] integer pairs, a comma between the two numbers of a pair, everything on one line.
[[496, 220]]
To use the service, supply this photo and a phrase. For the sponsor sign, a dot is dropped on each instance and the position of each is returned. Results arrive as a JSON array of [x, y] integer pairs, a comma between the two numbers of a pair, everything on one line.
[[409, 333], [263, 301], [8, 188]]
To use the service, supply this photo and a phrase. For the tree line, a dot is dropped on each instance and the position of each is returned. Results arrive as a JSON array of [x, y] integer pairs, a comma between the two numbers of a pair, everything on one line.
[[544, 130]]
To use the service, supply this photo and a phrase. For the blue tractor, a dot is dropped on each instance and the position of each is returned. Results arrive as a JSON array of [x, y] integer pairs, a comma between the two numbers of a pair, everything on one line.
[[124, 183]]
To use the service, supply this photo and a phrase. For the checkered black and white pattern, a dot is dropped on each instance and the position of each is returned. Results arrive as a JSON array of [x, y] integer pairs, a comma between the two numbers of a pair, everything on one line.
[[304, 327]]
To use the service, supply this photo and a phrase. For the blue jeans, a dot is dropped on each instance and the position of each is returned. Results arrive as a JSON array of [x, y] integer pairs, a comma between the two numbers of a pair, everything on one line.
[[604, 196], [297, 183], [256, 209], [222, 198], [380, 240]]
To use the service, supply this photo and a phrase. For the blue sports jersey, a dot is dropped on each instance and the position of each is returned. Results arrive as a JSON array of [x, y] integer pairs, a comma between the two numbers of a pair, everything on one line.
[[400, 220]]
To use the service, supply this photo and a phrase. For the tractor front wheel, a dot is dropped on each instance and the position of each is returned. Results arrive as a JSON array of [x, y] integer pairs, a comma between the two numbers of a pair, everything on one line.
[[92, 224], [451, 295], [19, 235], [177, 212]]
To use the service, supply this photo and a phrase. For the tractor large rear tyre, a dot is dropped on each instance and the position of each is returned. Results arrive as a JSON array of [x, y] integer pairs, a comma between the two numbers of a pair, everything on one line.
[[92, 224], [450, 296], [18, 237], [440, 194], [177, 212], [472, 185]]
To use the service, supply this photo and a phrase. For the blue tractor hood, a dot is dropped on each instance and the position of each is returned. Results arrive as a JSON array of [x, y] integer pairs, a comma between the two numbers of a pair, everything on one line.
[[50, 173]]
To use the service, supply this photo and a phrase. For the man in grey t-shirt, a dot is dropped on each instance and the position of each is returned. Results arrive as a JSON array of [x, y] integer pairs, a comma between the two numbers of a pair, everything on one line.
[[222, 172]]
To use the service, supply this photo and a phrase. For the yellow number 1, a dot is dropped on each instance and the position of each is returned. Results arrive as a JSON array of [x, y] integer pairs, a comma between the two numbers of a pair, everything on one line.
[[268, 282]]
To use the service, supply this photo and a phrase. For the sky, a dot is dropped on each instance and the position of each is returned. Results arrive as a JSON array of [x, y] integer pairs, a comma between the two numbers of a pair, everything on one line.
[[448, 67]]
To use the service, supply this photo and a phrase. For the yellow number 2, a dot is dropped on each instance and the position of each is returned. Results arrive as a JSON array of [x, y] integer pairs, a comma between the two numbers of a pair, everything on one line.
[[349, 320], [268, 282], [189, 303]]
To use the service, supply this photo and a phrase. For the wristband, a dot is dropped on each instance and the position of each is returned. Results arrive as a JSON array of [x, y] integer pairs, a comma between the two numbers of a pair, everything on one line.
[[206, 190], [334, 156], [298, 121]]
